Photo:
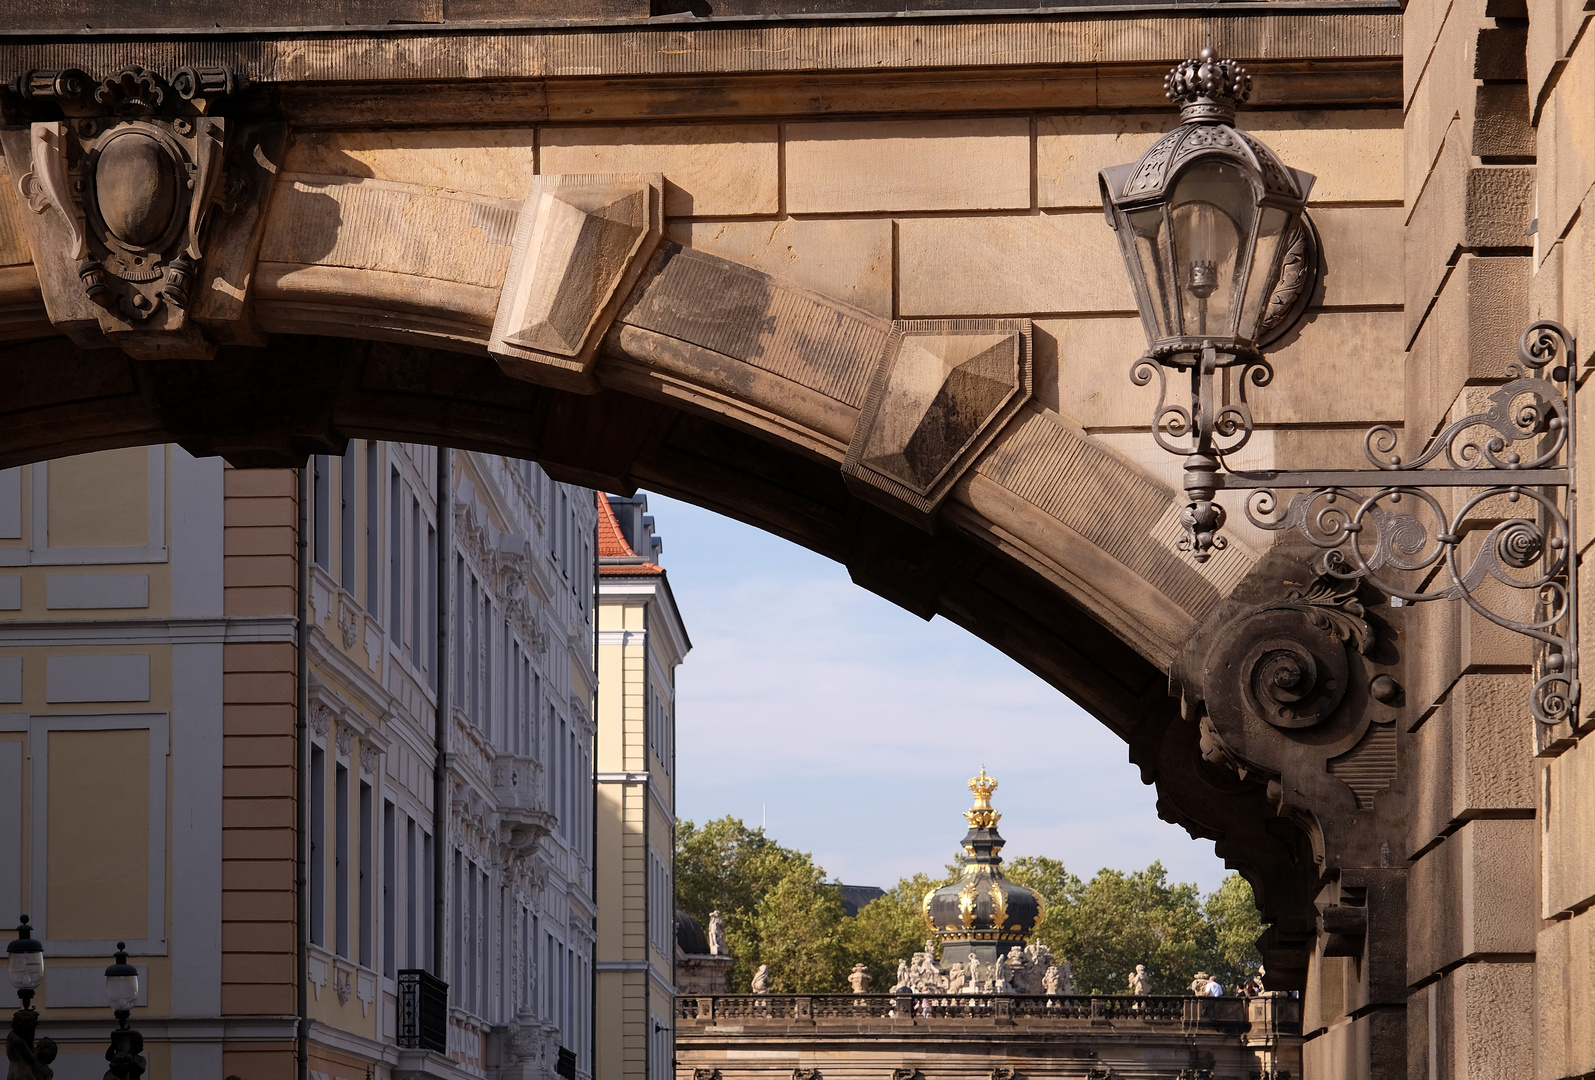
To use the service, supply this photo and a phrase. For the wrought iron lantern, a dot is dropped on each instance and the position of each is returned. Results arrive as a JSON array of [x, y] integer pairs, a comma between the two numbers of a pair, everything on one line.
[[125, 1055], [1205, 221], [1214, 233], [1223, 261], [28, 1055], [121, 984], [26, 963]]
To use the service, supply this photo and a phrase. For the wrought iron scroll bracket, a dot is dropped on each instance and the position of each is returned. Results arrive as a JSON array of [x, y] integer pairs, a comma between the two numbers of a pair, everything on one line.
[[1486, 514]]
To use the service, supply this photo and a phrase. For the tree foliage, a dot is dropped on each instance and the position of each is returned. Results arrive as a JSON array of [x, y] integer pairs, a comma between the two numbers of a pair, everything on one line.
[[890, 928], [778, 910], [772, 901]]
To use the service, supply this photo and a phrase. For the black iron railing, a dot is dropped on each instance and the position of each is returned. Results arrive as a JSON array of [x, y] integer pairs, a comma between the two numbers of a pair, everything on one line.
[[423, 1011]]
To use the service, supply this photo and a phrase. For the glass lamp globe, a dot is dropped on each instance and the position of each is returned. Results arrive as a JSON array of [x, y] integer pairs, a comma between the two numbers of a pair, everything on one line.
[[121, 981], [26, 959]]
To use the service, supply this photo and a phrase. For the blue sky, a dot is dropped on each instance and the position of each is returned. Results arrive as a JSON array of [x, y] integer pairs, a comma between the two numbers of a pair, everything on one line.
[[850, 726]]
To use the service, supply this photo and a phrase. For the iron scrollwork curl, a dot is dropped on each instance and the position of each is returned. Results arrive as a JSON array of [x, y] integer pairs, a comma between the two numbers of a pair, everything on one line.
[[1507, 551]]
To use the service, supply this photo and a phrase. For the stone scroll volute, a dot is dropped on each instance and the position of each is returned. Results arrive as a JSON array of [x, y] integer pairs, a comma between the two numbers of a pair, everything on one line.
[[1296, 685]]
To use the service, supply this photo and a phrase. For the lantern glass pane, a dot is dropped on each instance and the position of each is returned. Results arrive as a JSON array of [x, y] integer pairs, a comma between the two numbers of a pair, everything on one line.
[[121, 990], [1212, 210], [1272, 231], [1151, 252], [26, 970]]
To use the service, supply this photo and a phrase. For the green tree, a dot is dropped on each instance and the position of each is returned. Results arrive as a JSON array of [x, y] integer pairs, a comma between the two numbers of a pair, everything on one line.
[[890, 928], [778, 910], [772, 903], [1231, 911], [1106, 926], [800, 932]]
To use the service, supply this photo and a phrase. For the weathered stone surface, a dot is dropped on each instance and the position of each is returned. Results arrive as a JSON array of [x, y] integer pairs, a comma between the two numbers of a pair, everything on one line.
[[1565, 997], [1471, 334], [1569, 796], [1462, 207], [1501, 54], [1344, 364], [337, 252], [888, 166], [1430, 780], [943, 389], [1356, 156], [1052, 263], [1424, 21], [1566, 144], [1493, 1022], [850, 259], [498, 163], [1472, 894], [1493, 745], [710, 170], [580, 245], [792, 45], [1360, 268], [1440, 104], [1501, 125], [1553, 27], [1070, 150]]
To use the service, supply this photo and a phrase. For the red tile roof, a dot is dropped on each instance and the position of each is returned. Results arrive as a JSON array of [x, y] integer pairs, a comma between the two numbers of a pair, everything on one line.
[[615, 556]]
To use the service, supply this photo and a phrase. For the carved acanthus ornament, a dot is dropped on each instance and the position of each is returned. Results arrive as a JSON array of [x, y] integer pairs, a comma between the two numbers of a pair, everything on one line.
[[320, 719]]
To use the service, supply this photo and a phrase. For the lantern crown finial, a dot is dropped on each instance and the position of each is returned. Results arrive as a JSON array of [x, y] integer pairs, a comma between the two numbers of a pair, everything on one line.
[[1207, 88]]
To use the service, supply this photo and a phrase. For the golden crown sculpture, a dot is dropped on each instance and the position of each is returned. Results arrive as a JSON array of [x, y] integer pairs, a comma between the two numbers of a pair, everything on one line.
[[981, 815]]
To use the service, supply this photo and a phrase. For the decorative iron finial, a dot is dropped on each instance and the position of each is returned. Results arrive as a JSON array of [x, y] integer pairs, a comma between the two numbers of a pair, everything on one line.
[[1208, 88], [981, 815]]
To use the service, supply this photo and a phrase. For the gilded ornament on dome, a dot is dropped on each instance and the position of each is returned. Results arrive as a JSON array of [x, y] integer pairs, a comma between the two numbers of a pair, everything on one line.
[[981, 815], [999, 903], [966, 905]]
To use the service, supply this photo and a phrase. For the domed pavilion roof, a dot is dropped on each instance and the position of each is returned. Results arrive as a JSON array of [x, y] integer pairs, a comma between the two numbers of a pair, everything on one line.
[[982, 908]]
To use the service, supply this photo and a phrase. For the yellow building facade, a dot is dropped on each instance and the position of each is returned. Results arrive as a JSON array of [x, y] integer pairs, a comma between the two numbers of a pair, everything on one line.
[[374, 676], [641, 642]]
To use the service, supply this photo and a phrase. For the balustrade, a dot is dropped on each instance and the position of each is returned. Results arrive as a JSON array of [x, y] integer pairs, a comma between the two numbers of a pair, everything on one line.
[[1183, 1011]]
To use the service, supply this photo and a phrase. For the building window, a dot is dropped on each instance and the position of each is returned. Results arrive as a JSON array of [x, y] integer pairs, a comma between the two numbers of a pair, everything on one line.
[[321, 509], [459, 920], [340, 863], [661, 1047], [368, 881], [395, 555], [412, 896], [428, 902], [390, 889], [318, 846], [346, 531], [373, 526], [431, 620]]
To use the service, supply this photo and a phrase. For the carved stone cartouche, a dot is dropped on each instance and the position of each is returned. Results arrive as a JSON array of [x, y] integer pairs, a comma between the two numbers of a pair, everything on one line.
[[122, 175]]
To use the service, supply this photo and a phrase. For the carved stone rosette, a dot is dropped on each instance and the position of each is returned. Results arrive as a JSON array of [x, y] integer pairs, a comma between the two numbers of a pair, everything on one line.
[[124, 175]]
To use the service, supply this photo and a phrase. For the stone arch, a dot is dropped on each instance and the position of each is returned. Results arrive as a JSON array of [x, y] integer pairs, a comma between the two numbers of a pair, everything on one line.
[[348, 293]]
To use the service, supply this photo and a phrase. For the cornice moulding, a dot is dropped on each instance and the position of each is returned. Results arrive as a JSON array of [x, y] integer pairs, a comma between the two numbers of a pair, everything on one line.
[[410, 53]]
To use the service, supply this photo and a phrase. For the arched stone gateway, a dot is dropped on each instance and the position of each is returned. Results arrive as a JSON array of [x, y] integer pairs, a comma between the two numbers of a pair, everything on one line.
[[846, 279]]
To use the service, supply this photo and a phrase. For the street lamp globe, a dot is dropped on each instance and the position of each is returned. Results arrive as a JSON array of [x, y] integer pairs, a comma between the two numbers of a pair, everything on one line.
[[26, 962], [1206, 221], [121, 982]]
